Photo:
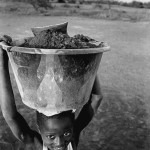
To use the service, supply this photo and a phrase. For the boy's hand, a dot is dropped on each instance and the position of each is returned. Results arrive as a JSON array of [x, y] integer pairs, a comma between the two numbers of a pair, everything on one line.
[[5, 38], [14, 42]]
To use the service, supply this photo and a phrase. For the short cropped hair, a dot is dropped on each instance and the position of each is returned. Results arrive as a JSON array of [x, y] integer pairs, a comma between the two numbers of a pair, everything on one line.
[[42, 118]]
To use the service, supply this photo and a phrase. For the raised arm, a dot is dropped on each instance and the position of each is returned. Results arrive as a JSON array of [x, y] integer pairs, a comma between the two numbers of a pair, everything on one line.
[[90, 108], [16, 122]]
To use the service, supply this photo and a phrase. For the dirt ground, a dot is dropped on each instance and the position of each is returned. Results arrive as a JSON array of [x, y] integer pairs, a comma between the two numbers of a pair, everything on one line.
[[122, 121]]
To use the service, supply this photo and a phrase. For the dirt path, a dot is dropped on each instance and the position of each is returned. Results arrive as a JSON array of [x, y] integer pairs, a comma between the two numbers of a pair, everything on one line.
[[122, 120]]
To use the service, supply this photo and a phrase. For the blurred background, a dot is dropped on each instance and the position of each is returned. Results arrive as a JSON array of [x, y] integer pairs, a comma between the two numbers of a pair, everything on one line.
[[123, 119]]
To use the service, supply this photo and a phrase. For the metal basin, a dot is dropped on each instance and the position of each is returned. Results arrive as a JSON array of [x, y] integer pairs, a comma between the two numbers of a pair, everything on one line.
[[54, 80]]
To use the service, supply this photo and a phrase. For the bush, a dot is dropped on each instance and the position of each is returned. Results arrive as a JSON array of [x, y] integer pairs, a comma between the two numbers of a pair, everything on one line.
[[61, 1], [137, 4]]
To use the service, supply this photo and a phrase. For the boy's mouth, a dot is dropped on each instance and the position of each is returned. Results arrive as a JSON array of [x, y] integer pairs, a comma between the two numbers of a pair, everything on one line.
[[60, 148]]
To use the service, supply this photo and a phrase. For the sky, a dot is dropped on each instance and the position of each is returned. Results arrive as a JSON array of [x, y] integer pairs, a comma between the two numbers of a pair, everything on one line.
[[135, 0]]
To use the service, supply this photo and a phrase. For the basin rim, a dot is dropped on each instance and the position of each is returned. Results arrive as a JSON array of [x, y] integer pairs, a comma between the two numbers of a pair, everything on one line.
[[54, 51]]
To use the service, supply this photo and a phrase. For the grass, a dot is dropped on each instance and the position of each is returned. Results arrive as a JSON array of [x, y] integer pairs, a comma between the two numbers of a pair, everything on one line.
[[91, 11], [121, 122]]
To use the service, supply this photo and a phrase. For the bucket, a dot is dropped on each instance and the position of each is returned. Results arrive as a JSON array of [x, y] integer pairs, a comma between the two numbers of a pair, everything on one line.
[[54, 80]]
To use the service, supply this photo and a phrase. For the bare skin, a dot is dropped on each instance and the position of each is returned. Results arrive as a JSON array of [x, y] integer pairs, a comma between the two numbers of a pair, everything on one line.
[[55, 133]]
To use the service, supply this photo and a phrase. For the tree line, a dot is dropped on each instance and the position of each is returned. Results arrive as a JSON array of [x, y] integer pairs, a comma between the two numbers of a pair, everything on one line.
[[135, 3], [48, 3]]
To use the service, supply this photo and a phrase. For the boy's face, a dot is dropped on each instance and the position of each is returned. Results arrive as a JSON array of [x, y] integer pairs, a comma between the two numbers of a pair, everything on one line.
[[57, 133]]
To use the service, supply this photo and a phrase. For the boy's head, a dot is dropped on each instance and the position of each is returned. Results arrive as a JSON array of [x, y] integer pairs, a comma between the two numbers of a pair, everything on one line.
[[57, 130]]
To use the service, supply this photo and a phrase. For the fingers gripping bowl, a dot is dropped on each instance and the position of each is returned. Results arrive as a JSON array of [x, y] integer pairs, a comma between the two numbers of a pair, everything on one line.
[[54, 80]]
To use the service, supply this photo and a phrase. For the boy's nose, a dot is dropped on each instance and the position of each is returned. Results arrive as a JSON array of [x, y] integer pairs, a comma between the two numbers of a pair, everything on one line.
[[59, 142]]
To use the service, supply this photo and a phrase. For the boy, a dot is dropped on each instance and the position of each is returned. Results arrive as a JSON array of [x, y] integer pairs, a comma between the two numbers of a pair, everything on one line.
[[58, 132]]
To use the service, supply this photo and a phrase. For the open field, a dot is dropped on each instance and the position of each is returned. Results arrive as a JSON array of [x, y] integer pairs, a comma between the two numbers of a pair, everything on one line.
[[123, 120], [98, 11]]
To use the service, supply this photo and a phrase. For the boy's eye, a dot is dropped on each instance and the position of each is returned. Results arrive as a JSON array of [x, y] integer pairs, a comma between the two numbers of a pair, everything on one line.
[[67, 134], [51, 137]]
